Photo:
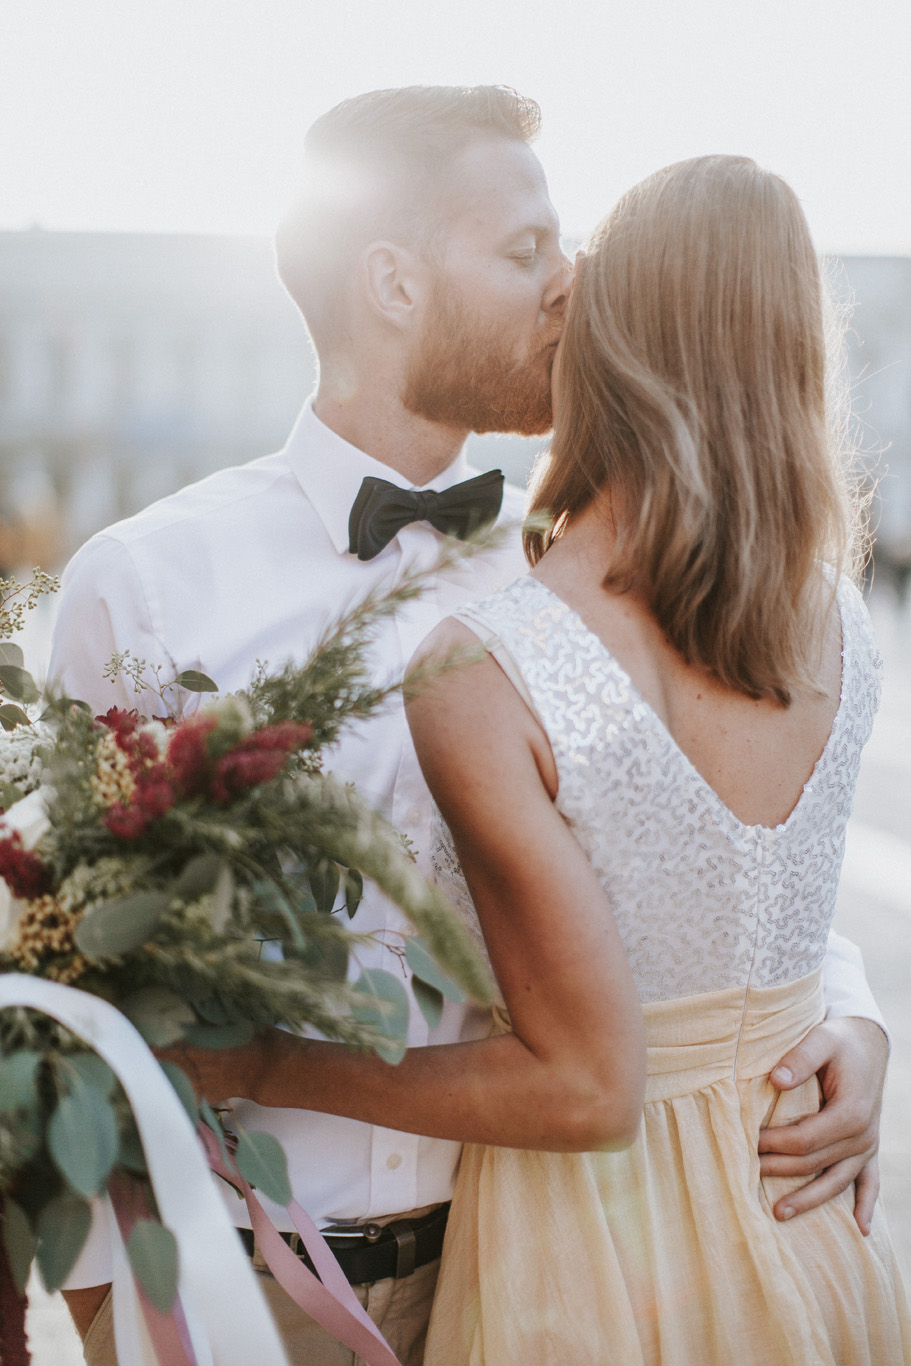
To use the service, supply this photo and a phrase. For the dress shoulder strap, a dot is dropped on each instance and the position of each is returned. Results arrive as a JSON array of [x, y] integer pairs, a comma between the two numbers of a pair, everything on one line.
[[475, 621]]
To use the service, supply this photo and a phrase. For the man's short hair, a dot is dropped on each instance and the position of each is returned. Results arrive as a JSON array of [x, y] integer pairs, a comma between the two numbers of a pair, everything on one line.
[[379, 165]]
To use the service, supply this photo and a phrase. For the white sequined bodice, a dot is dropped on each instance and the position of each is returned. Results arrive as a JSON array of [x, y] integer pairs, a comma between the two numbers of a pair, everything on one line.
[[702, 901]]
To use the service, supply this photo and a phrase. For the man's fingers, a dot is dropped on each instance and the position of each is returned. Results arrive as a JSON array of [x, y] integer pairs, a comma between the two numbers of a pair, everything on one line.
[[803, 1061], [830, 1134], [785, 1164], [827, 1185], [866, 1193]]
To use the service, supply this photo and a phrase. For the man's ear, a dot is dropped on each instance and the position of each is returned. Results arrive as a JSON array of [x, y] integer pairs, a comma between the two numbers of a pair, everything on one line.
[[393, 283]]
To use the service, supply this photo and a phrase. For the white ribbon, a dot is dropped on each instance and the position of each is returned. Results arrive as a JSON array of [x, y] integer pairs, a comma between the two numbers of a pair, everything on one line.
[[227, 1315]]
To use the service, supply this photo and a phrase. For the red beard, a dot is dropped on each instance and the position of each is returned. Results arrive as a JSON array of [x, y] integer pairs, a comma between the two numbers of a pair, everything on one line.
[[462, 377]]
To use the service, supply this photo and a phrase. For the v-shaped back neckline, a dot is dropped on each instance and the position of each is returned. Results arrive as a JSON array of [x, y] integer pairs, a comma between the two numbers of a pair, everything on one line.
[[757, 829]]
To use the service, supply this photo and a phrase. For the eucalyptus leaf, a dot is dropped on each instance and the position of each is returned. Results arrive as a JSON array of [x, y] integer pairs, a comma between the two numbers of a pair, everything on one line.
[[160, 1015], [391, 1052], [93, 1071], [211, 1120], [354, 890], [63, 1226], [61, 705], [385, 1011], [19, 683], [184, 1088], [261, 1161], [324, 884], [220, 1036], [130, 1154], [152, 1250], [121, 925], [11, 717], [198, 877], [430, 1001], [194, 681], [423, 966], [305, 902], [83, 1139], [11, 654], [213, 1012], [326, 956], [20, 1241], [18, 1080], [287, 902]]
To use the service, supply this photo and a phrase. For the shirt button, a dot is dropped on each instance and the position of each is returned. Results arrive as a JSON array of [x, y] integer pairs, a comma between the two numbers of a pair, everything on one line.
[[414, 815], [393, 1161]]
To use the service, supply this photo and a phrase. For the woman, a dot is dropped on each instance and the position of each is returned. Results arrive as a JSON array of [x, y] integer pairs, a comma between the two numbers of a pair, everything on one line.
[[647, 780], [697, 690]]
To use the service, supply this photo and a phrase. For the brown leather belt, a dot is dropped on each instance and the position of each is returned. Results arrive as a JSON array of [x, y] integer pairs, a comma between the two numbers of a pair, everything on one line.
[[374, 1252]]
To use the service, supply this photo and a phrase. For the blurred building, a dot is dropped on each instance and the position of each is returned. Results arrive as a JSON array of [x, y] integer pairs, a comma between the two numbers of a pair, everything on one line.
[[131, 364], [877, 290]]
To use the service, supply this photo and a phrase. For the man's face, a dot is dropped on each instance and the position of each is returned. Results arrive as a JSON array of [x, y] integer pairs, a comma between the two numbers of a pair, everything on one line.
[[495, 312]]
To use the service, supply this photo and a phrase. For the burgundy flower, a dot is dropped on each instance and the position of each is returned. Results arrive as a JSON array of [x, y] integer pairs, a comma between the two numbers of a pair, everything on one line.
[[240, 770], [258, 758], [154, 795], [286, 735], [146, 746], [188, 756], [23, 871], [125, 822], [122, 723]]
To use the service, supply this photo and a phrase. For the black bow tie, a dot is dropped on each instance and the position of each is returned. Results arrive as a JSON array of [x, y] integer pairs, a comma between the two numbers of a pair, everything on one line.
[[381, 510]]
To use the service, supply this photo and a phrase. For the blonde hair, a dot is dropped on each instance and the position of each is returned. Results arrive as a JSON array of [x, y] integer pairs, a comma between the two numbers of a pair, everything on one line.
[[693, 388]]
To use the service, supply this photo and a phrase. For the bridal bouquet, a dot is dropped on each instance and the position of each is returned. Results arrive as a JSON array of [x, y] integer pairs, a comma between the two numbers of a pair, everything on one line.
[[198, 874]]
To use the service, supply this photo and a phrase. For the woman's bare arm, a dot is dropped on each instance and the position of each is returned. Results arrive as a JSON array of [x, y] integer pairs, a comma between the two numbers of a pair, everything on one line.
[[571, 1076]]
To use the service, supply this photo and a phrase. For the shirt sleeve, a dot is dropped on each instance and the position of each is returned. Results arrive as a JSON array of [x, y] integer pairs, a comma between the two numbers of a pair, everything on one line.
[[103, 609], [845, 987]]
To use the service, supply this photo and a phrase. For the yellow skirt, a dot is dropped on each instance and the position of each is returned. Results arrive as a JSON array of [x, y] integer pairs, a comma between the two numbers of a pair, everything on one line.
[[668, 1253]]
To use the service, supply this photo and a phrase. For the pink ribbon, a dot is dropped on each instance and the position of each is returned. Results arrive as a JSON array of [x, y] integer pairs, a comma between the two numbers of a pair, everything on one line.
[[167, 1329], [329, 1300]]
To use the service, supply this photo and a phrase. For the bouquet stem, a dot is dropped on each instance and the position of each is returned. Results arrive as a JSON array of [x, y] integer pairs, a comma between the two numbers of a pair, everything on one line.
[[13, 1342]]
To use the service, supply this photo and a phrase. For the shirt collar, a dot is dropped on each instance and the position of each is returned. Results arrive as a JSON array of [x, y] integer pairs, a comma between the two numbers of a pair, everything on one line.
[[330, 471]]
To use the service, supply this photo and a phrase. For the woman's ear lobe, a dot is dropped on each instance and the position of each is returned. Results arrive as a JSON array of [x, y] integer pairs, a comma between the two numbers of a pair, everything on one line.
[[390, 282]]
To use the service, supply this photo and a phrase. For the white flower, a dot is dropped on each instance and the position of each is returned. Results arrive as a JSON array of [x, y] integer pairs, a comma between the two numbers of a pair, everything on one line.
[[20, 760], [30, 819]]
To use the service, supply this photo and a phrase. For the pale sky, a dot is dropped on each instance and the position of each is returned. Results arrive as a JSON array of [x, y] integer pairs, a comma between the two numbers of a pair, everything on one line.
[[188, 115]]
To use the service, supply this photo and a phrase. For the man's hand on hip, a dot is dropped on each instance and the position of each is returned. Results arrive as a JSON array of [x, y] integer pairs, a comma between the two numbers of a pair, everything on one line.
[[838, 1145]]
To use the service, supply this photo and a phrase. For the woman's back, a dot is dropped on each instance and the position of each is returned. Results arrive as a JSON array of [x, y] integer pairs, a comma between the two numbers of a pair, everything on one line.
[[703, 899], [669, 1251]]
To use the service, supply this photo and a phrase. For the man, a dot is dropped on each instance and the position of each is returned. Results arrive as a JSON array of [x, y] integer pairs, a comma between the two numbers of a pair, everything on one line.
[[424, 255]]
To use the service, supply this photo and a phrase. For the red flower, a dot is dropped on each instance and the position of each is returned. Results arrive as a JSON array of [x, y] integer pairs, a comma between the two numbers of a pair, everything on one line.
[[240, 770], [154, 794], [125, 822], [188, 756], [258, 758], [122, 723], [146, 746], [24, 872], [287, 735]]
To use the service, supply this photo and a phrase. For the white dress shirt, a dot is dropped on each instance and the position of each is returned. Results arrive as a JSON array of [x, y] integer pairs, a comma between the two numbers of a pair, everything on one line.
[[252, 564]]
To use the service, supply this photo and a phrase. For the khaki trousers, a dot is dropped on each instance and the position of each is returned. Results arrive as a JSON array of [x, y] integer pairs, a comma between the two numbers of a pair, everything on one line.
[[400, 1309]]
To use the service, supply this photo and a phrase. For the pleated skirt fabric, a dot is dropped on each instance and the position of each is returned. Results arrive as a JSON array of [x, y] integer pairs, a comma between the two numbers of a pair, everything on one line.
[[667, 1254]]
